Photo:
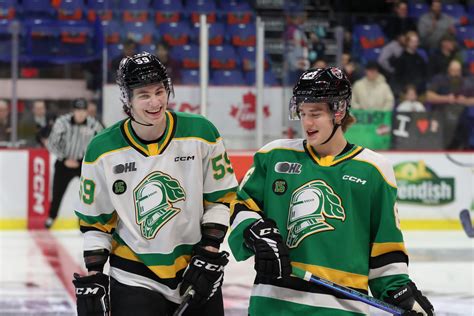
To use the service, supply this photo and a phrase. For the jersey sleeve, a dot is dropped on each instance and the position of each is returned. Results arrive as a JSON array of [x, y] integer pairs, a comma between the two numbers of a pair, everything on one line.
[[96, 213], [388, 258], [247, 207], [220, 184]]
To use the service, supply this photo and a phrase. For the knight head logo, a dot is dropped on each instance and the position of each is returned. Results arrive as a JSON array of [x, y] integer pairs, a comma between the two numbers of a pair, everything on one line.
[[246, 113], [310, 205], [153, 199]]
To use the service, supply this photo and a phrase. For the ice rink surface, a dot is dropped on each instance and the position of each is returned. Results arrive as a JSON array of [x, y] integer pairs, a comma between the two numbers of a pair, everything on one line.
[[36, 272]]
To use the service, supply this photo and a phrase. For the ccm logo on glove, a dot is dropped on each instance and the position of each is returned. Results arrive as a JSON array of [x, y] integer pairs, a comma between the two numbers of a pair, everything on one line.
[[87, 290], [267, 231], [208, 266]]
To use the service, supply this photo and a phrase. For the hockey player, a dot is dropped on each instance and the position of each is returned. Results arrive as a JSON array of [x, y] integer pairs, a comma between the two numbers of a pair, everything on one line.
[[326, 205], [154, 201]]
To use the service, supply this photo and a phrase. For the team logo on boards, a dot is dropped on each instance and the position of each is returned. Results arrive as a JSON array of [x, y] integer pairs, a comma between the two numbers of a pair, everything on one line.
[[417, 183], [288, 167], [154, 200], [310, 205], [119, 187], [126, 167]]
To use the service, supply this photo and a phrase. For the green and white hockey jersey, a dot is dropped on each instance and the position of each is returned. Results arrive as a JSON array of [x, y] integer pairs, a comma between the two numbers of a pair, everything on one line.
[[146, 202], [338, 217]]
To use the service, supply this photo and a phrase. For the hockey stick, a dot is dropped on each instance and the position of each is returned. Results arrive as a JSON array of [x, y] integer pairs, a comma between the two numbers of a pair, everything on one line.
[[372, 301], [465, 217], [187, 297]]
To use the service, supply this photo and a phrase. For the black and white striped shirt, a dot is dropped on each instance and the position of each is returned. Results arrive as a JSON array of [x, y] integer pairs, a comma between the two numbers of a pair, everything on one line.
[[69, 140]]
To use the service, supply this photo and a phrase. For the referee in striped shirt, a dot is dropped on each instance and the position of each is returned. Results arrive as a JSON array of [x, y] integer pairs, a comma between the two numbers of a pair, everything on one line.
[[70, 135]]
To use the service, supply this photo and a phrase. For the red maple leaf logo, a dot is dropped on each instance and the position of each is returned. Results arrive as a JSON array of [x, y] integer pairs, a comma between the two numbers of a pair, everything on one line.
[[246, 113]]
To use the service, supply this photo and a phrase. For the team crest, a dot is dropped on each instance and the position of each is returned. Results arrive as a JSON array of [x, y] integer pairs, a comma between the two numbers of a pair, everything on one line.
[[310, 204], [336, 72], [153, 199]]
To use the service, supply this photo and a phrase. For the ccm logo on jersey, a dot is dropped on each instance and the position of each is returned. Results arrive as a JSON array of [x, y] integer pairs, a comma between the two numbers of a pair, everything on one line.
[[126, 167], [353, 179], [184, 158], [208, 266], [288, 167]]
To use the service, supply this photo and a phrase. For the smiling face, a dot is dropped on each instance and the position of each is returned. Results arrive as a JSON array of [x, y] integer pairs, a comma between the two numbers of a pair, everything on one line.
[[316, 121], [149, 104]]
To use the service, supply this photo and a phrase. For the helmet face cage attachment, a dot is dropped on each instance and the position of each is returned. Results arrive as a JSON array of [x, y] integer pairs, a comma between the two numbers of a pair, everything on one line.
[[321, 85], [141, 70]]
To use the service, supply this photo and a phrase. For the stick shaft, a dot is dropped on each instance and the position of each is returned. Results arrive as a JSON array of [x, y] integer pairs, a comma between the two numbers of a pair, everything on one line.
[[372, 301]]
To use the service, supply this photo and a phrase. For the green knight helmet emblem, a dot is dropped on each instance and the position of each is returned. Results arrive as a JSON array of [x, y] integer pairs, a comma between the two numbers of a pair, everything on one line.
[[153, 199], [310, 204]]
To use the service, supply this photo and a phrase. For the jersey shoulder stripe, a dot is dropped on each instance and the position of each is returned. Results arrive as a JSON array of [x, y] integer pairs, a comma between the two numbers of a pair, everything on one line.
[[109, 139], [380, 162], [190, 125], [283, 144]]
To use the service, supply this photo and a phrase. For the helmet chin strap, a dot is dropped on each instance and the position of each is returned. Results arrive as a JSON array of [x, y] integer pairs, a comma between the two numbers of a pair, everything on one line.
[[143, 124], [334, 129]]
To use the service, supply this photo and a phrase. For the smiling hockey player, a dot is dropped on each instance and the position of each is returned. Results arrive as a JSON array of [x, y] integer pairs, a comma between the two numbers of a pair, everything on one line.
[[328, 206]]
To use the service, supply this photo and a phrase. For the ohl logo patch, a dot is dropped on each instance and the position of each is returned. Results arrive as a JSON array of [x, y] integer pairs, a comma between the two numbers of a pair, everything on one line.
[[310, 204], [153, 199]]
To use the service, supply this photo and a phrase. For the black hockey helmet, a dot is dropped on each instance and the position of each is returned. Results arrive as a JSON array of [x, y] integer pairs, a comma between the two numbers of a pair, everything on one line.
[[329, 85], [141, 70]]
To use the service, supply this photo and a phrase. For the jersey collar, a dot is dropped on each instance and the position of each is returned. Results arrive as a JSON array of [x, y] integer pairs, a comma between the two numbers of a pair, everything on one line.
[[151, 148], [329, 161]]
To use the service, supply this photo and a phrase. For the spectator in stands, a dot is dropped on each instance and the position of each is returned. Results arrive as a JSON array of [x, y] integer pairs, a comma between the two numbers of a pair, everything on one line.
[[390, 52], [92, 111], [351, 68], [410, 67], [372, 91], [297, 46], [129, 49], [35, 125], [432, 26], [5, 129], [440, 59], [451, 94], [316, 48], [171, 64], [399, 22], [410, 101]]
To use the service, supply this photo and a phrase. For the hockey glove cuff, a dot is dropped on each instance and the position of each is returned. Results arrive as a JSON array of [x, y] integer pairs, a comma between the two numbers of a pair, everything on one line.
[[272, 258], [92, 293], [412, 300]]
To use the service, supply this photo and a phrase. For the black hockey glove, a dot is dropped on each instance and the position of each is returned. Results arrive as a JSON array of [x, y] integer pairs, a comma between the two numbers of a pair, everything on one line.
[[92, 293], [205, 274], [272, 258], [412, 300]]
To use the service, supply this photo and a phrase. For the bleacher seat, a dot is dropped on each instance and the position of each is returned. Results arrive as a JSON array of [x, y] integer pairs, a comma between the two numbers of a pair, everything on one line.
[[370, 54], [112, 31], [269, 78], [114, 50], [242, 34], [175, 33], [8, 9], [101, 9], [150, 48], [186, 55], [197, 7], [5, 40], [42, 37], [70, 10], [141, 32], [167, 11], [38, 9], [134, 11], [469, 61], [366, 37], [227, 78], [76, 39], [465, 36], [457, 11], [223, 57], [237, 11], [216, 33], [248, 56], [415, 10], [190, 77]]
